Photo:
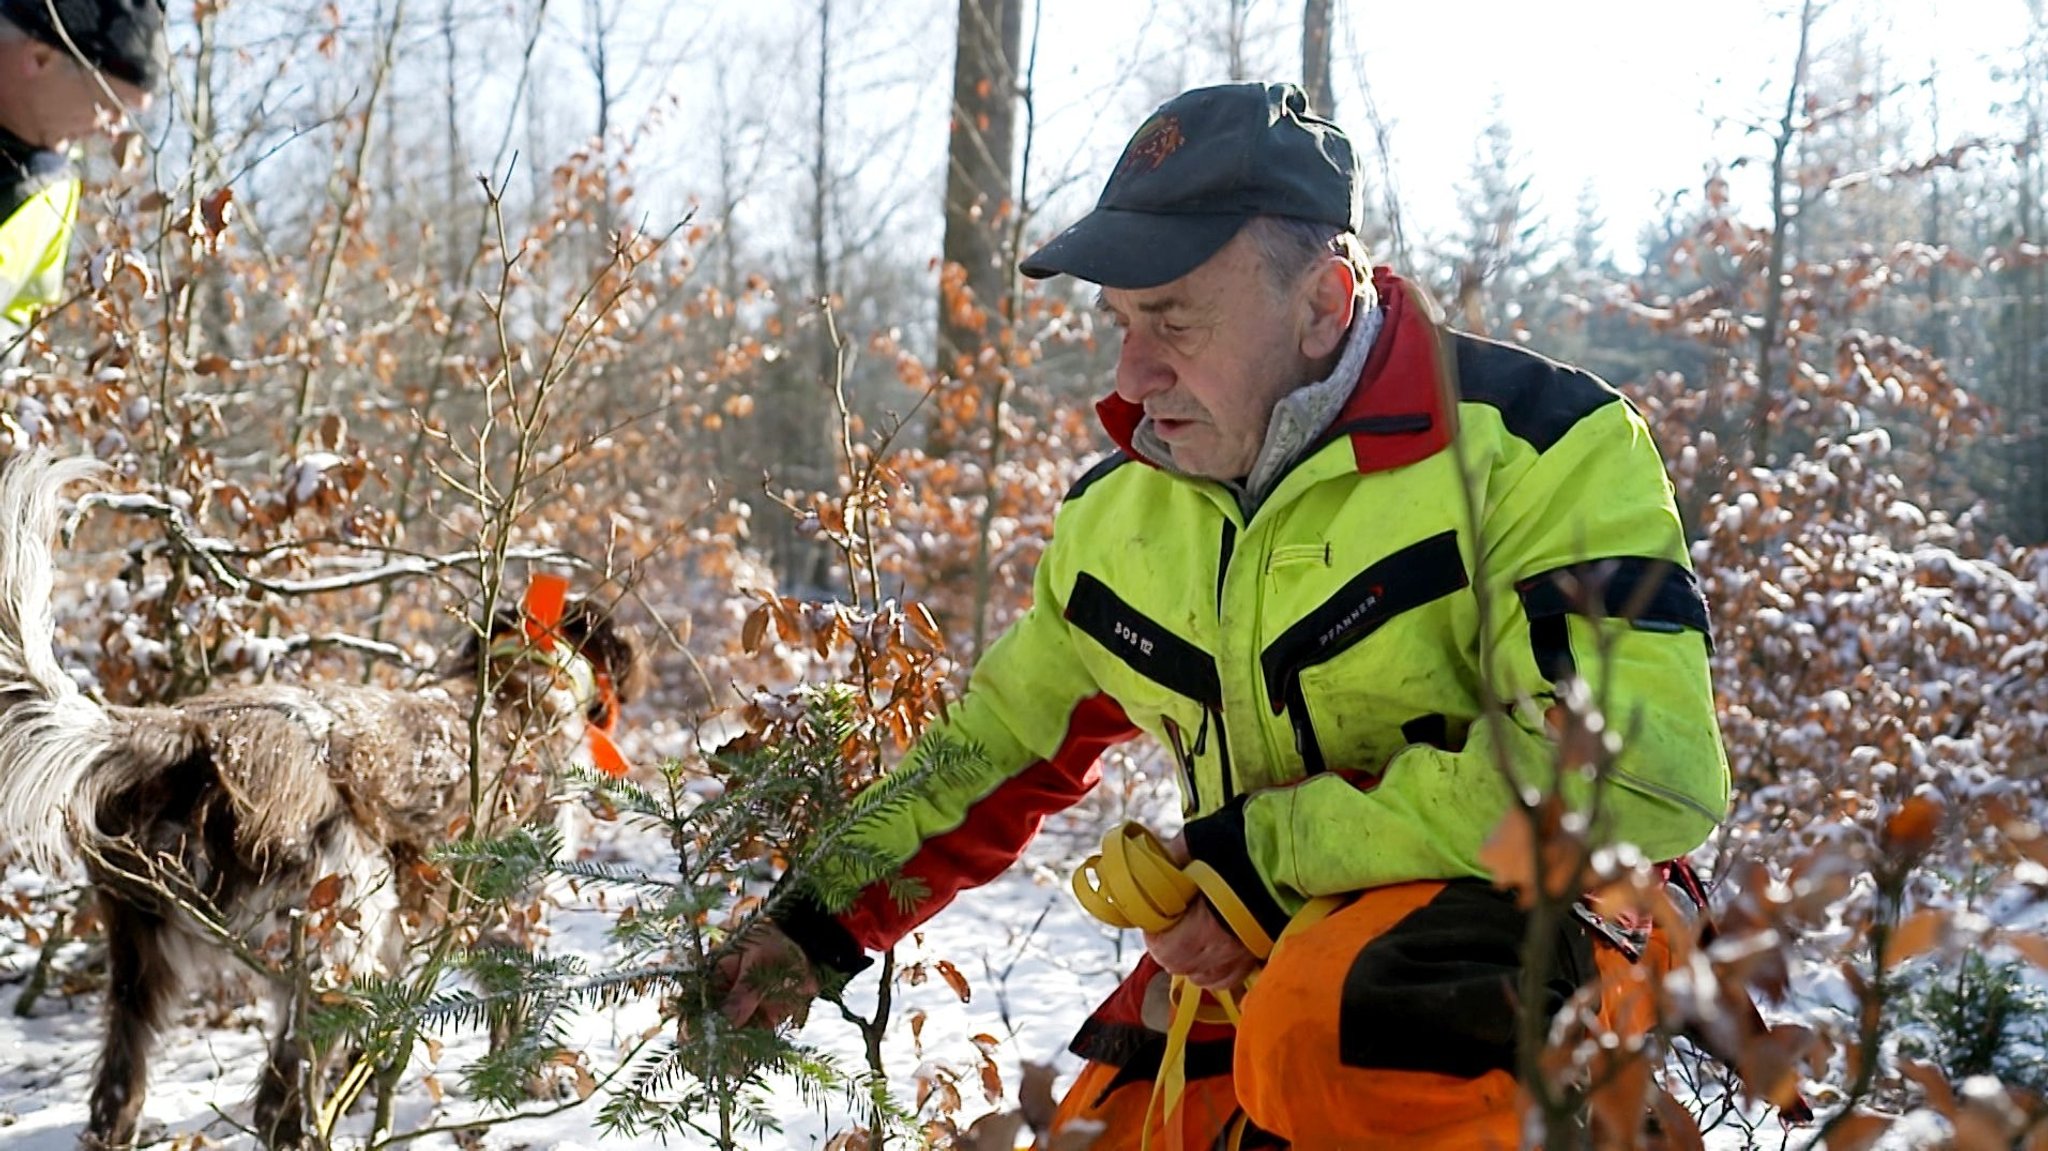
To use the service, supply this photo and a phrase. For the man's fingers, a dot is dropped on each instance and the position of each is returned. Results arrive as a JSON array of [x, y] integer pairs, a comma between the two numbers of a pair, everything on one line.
[[1201, 949], [765, 983], [741, 1002], [1228, 975]]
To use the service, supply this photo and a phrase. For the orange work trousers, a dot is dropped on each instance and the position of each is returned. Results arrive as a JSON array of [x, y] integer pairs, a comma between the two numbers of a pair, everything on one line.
[[1390, 1024]]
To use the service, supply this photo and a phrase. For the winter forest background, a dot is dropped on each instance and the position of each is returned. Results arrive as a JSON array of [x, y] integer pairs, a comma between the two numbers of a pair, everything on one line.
[[392, 302]]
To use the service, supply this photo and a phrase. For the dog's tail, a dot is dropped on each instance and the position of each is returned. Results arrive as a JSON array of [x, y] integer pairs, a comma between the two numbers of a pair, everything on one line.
[[51, 735]]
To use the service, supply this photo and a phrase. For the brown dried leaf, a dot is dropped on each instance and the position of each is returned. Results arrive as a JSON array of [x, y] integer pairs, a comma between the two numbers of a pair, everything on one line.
[[921, 619], [955, 980], [992, 1090], [128, 151], [1681, 1131], [1770, 1063], [1933, 1082], [1034, 1096], [786, 615], [1981, 1125], [1519, 849], [1617, 1102], [1911, 829], [1857, 1131], [217, 211], [2033, 947], [1921, 932], [325, 893], [993, 1132], [752, 632]]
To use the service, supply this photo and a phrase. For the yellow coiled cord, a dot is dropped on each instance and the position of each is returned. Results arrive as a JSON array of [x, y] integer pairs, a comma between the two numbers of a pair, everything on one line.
[[1133, 883]]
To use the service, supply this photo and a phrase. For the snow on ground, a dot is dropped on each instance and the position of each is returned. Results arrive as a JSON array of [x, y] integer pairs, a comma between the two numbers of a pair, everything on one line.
[[1035, 964], [1034, 961]]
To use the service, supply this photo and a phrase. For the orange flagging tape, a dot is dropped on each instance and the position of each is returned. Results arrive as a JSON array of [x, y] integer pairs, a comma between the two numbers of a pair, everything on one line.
[[545, 598], [605, 754]]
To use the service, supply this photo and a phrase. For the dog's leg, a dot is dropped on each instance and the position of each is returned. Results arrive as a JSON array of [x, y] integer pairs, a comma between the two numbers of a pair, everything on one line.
[[280, 1104], [141, 981], [281, 1096]]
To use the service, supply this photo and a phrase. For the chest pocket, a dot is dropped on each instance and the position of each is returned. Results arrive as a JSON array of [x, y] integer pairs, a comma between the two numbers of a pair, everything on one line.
[[1348, 711], [1142, 643], [1181, 695]]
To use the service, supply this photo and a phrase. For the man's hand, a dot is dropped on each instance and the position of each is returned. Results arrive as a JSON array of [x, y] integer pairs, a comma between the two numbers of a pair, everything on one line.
[[768, 982], [1198, 945]]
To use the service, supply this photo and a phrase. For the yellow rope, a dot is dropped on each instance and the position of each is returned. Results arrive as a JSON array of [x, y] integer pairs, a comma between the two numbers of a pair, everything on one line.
[[1133, 882], [344, 1096]]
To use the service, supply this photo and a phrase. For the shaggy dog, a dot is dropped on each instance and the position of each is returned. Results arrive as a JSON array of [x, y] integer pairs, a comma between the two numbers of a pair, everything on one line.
[[221, 820]]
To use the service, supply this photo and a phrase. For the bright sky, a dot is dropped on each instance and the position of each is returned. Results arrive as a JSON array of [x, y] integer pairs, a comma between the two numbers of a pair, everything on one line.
[[1630, 97]]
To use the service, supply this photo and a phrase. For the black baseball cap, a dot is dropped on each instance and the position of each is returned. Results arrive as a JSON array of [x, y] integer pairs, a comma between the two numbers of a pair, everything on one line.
[[1203, 165], [123, 38]]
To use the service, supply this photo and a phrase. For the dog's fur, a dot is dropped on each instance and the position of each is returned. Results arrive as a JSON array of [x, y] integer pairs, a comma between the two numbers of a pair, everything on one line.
[[220, 815]]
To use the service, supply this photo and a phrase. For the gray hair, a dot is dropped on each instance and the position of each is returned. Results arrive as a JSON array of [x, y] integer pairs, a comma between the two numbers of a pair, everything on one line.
[[1289, 247]]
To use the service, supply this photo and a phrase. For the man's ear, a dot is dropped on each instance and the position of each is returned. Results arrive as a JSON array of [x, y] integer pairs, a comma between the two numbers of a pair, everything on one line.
[[39, 59], [1332, 296]]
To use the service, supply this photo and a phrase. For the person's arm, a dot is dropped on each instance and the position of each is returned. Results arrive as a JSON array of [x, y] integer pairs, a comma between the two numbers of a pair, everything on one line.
[[1587, 534], [1033, 722]]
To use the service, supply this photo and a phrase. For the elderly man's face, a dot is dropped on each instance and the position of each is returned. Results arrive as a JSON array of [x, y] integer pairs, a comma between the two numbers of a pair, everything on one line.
[[1210, 354]]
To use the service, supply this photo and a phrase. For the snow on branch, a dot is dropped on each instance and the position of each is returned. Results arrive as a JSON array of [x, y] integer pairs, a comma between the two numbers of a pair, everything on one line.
[[214, 553]]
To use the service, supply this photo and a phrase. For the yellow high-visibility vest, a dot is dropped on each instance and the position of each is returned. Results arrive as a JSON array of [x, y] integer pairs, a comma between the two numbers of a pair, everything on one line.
[[39, 193]]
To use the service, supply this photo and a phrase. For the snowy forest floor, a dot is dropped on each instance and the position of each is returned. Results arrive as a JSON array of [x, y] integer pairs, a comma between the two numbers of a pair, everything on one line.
[[1033, 962]]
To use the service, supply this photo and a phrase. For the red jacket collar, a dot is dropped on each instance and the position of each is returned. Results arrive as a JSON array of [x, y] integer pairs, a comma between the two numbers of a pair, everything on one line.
[[1397, 415]]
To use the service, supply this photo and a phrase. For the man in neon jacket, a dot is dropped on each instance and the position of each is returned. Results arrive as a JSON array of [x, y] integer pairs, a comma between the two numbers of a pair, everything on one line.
[[63, 63], [1333, 537]]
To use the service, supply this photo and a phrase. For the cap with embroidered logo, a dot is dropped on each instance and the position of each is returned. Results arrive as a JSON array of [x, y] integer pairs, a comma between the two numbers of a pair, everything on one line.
[[1204, 164]]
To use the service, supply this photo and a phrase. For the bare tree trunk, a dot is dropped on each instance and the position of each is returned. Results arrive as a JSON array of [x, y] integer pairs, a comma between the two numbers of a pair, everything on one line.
[[600, 67], [1234, 40], [207, 176], [451, 245], [348, 189], [1315, 57], [998, 387], [1388, 183], [2026, 395], [1937, 232], [815, 415], [1790, 126], [980, 174]]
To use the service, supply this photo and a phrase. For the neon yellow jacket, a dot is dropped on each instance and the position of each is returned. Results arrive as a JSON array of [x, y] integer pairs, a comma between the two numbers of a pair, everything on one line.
[[38, 208], [1319, 671]]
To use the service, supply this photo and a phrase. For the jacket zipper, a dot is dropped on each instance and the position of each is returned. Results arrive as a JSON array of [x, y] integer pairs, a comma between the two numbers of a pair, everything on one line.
[[1228, 544], [1305, 742], [1185, 758]]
